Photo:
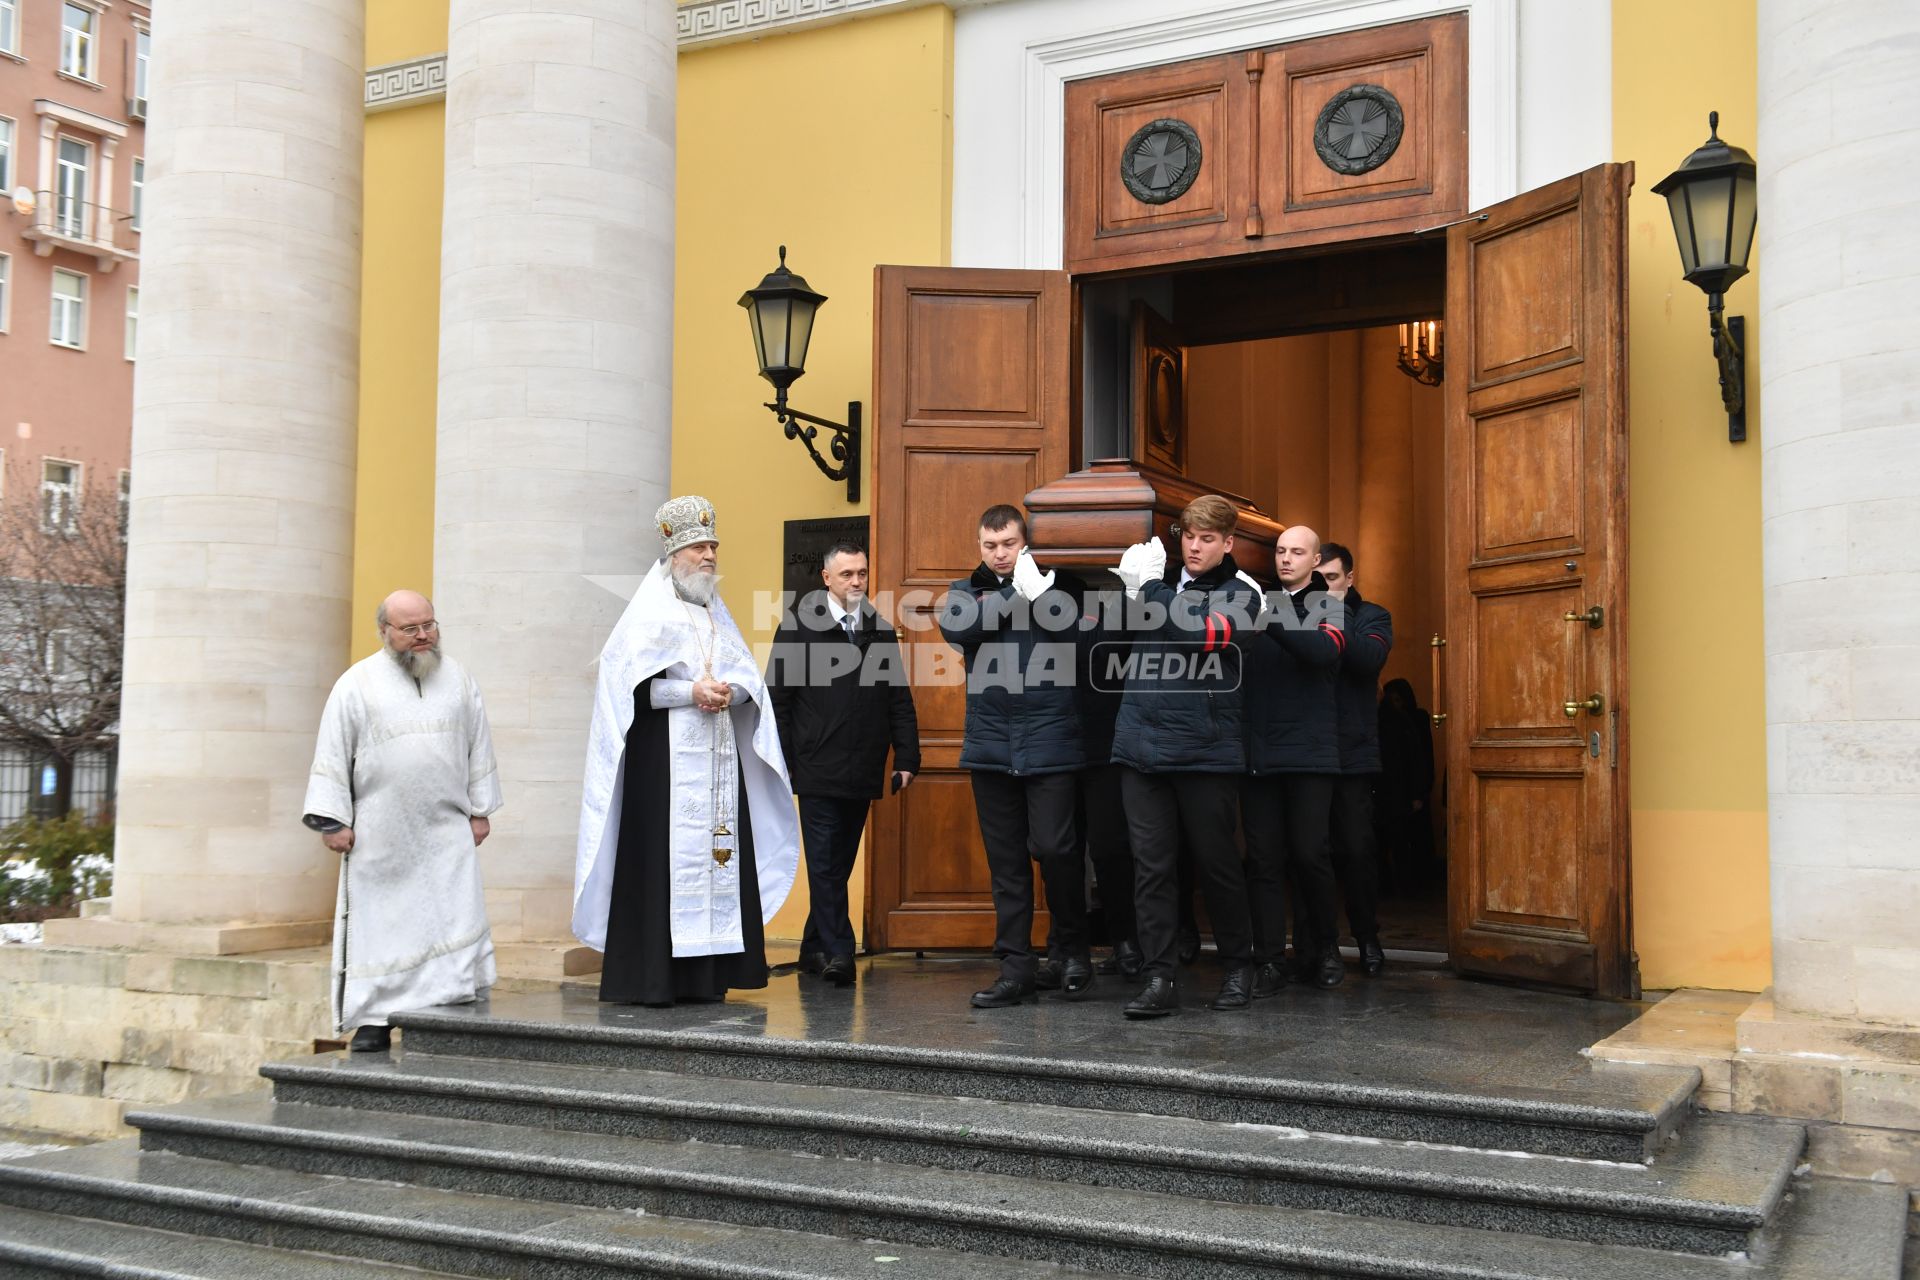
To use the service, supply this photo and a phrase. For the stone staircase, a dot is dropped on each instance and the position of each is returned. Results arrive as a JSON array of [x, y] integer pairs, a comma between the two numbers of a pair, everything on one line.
[[548, 1137]]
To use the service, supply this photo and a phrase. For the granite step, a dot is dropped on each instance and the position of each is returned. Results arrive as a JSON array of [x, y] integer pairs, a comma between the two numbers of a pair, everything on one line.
[[1097, 1228], [42, 1246], [1708, 1191], [111, 1186], [1610, 1112]]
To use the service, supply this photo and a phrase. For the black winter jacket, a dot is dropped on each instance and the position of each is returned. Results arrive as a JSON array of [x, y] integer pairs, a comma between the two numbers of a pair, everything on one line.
[[1023, 664], [1292, 715], [1369, 631], [1188, 723], [841, 703]]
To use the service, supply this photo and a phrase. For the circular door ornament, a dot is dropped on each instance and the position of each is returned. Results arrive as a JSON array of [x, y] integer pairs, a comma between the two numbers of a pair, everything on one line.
[[1166, 407], [1160, 161], [1359, 129]]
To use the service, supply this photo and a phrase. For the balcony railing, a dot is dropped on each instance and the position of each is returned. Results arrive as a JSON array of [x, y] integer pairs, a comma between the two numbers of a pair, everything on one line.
[[58, 221]]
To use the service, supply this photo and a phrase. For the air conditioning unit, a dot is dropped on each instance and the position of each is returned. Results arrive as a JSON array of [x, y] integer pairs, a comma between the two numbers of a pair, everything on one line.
[[137, 108]]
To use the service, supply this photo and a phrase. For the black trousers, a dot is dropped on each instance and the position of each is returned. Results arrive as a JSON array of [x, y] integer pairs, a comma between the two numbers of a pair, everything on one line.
[[1104, 825], [1024, 821], [1356, 861], [830, 826], [1287, 818], [1161, 807]]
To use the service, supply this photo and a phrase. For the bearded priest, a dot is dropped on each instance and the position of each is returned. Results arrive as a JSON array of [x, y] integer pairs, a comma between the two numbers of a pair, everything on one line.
[[402, 782], [688, 841]]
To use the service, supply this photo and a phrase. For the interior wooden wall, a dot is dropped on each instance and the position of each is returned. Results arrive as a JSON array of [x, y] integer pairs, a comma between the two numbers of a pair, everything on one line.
[[1323, 430]]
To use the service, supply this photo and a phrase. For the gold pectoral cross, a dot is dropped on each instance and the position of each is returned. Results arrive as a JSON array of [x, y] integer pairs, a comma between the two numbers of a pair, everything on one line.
[[722, 844]]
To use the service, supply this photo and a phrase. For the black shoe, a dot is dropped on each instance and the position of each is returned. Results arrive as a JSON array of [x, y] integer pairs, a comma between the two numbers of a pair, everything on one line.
[[1003, 992], [839, 971], [1373, 959], [812, 962], [1189, 946], [1076, 976], [371, 1039], [1046, 975], [1156, 1000], [1331, 971], [1269, 980], [1125, 961], [1236, 992]]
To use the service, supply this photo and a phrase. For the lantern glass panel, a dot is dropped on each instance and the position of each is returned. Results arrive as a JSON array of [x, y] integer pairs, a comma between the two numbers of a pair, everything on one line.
[[1712, 219], [771, 315], [759, 344], [1678, 209], [1745, 209], [800, 332]]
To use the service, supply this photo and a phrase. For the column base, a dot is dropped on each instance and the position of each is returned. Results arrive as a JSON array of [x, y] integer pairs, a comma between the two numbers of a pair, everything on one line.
[[1855, 1085], [186, 939]]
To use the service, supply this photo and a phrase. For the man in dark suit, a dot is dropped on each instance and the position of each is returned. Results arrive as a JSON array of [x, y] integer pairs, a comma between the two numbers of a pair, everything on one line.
[[840, 691], [1369, 630]]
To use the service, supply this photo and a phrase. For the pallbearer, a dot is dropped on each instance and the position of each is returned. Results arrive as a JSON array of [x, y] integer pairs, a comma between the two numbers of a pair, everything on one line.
[[1179, 740], [1356, 862], [688, 842], [403, 780]]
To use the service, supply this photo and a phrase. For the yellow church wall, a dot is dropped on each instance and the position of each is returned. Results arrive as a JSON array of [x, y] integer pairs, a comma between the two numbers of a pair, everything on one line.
[[399, 324], [1699, 788], [861, 176]]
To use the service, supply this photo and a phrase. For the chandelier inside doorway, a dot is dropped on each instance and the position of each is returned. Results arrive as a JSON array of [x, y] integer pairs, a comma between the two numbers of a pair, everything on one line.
[[1422, 351]]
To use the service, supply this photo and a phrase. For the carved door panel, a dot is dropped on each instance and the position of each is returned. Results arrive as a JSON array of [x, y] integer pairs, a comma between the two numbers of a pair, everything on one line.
[[1159, 392], [971, 408], [1536, 539]]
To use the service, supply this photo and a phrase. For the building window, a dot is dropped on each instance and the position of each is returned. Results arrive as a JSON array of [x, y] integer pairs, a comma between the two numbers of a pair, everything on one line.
[[59, 495], [126, 500], [68, 322], [139, 191], [6, 288], [133, 318], [70, 188], [6, 151], [142, 51], [77, 27], [9, 26]]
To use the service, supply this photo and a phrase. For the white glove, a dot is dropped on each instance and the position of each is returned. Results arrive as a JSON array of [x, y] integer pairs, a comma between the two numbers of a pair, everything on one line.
[[1140, 563], [1027, 578]]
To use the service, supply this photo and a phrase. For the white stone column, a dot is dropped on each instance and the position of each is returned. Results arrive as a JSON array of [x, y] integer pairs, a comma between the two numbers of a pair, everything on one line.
[[1839, 281], [239, 557], [556, 313]]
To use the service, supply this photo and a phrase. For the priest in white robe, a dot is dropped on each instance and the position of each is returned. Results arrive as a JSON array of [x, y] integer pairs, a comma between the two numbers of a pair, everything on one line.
[[688, 840], [403, 780]]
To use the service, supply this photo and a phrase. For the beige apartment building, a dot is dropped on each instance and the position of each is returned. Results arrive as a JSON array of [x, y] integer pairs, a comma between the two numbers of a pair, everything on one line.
[[73, 77]]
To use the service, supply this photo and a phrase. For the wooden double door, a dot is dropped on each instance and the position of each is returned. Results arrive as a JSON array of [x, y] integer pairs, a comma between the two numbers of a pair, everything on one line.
[[973, 396]]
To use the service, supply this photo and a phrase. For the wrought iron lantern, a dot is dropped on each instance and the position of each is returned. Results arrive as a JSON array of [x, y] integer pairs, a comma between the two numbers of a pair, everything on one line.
[[1712, 200], [1423, 351], [780, 311]]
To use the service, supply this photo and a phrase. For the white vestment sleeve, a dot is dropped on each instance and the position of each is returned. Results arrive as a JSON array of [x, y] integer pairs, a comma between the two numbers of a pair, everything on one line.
[[665, 695], [330, 783], [483, 775]]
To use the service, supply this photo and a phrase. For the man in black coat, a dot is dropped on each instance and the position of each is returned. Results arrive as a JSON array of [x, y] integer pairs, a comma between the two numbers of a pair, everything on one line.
[[1181, 745], [1293, 758], [1020, 631], [839, 687], [1369, 632]]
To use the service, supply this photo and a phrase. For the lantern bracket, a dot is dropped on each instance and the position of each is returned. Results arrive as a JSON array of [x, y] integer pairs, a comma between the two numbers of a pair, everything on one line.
[[1730, 352], [844, 447]]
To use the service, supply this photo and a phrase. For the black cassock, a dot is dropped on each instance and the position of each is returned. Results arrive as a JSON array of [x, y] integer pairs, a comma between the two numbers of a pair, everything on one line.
[[639, 966]]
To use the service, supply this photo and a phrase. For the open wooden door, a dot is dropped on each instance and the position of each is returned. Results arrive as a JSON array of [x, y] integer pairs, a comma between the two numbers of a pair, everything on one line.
[[1536, 674], [972, 406]]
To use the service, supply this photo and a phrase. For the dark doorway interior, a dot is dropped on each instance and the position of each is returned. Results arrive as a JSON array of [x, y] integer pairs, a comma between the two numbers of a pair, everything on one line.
[[1290, 397]]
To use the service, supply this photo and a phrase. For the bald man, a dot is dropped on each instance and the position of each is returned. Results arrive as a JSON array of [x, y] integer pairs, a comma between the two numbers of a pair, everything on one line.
[[1293, 758], [403, 780]]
